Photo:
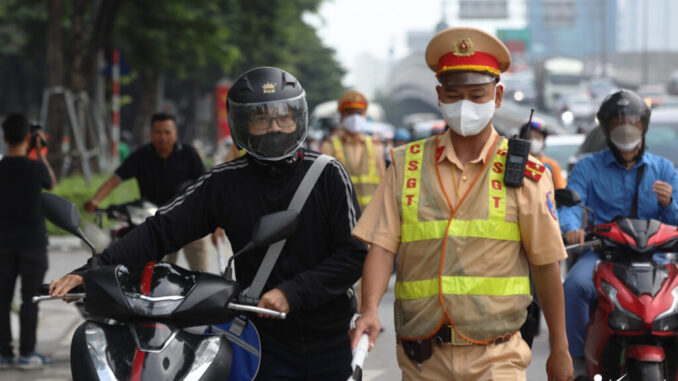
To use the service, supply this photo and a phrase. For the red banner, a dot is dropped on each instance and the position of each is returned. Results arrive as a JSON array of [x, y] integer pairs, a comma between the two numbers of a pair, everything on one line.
[[221, 92]]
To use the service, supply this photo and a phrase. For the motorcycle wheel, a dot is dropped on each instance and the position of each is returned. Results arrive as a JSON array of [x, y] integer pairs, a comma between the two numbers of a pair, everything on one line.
[[646, 371]]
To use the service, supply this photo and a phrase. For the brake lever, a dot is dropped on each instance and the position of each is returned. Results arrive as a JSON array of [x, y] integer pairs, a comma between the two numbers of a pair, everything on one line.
[[594, 244]]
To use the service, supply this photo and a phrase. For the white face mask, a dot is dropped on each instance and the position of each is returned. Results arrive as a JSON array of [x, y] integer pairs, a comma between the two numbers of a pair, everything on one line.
[[536, 146], [626, 137], [467, 118], [355, 123]]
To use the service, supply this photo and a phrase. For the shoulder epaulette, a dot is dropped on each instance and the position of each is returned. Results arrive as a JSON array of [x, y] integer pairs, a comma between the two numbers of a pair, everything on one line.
[[534, 170]]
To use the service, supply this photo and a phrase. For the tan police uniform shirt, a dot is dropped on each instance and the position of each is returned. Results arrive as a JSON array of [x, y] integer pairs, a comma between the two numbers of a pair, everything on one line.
[[354, 148], [539, 229]]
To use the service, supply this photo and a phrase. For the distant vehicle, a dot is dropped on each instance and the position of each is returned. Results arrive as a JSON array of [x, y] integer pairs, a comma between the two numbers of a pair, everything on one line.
[[424, 129], [563, 149], [556, 78], [577, 110], [379, 130], [661, 139], [519, 86], [601, 87], [670, 101], [511, 116], [653, 94], [672, 87]]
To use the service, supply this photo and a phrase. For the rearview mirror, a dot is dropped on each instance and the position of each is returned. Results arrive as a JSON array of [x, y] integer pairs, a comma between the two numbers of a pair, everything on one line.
[[567, 197], [274, 227], [63, 214]]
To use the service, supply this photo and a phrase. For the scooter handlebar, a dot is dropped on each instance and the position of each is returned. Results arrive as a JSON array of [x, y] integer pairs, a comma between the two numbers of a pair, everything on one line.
[[259, 310], [592, 244], [72, 296]]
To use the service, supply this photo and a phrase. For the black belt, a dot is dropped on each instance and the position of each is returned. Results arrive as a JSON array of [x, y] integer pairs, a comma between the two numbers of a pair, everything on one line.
[[447, 334]]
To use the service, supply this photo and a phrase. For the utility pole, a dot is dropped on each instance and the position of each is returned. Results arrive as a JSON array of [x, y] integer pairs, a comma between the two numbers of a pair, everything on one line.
[[645, 43], [603, 37]]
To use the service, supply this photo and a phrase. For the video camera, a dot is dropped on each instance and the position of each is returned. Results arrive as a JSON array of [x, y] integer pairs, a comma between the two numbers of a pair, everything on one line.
[[35, 127]]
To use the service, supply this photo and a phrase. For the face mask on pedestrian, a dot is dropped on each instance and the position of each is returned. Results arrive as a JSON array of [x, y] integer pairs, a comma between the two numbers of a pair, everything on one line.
[[536, 146], [355, 123], [468, 118], [626, 137]]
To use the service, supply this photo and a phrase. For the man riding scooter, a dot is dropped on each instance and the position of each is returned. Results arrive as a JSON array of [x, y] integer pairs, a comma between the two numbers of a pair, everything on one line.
[[318, 263], [623, 180]]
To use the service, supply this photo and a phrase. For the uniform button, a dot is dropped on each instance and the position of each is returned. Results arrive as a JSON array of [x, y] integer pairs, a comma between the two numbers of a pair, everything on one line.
[[463, 178]]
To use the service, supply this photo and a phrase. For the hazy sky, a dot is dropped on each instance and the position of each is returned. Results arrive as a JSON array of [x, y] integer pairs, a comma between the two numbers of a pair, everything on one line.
[[352, 27]]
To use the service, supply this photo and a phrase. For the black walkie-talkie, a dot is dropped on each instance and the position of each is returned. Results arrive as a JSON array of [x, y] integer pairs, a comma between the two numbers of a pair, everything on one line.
[[516, 157]]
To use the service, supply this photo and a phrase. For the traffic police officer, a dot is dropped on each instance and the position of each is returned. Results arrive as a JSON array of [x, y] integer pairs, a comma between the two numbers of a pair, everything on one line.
[[359, 153], [465, 241]]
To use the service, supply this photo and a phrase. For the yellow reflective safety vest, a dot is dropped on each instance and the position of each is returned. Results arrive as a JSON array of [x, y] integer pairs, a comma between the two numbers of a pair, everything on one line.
[[364, 174], [465, 267]]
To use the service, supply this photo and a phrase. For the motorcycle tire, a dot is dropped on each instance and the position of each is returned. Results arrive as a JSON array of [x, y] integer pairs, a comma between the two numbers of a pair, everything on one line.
[[646, 371]]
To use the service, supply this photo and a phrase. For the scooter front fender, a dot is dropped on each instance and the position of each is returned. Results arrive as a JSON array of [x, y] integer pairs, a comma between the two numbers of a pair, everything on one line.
[[646, 353]]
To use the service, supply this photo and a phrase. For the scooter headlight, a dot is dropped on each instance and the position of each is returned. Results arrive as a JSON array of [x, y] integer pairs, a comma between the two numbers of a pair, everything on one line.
[[144, 305], [668, 320], [620, 319]]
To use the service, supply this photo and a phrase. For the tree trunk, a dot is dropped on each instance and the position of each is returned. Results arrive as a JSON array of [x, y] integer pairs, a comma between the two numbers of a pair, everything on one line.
[[83, 59], [55, 77], [146, 106], [79, 70]]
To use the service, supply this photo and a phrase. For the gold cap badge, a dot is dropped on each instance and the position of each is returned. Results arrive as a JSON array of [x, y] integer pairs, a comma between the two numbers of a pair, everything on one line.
[[463, 47], [268, 88]]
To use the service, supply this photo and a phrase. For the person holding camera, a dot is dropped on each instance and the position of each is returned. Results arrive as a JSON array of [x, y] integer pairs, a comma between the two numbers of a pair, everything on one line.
[[23, 237]]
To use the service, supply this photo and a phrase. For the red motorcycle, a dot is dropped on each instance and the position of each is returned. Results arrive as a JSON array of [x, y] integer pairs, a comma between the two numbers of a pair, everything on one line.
[[632, 332]]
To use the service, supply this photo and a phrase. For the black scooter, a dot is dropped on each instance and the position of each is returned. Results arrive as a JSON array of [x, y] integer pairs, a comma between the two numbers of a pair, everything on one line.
[[145, 318]]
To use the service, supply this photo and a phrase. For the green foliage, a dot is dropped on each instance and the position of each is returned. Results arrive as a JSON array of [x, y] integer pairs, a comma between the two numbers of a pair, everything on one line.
[[192, 43], [173, 36], [20, 23], [272, 33], [74, 189], [203, 40]]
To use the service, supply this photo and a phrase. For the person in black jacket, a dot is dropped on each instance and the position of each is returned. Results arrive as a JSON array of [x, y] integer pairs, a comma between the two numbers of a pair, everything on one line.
[[162, 168], [23, 237], [268, 116]]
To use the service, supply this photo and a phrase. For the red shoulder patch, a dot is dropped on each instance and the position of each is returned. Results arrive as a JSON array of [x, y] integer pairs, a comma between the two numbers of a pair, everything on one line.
[[534, 170]]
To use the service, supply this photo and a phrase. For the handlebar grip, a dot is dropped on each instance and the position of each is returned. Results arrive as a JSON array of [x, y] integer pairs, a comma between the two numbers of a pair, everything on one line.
[[44, 289]]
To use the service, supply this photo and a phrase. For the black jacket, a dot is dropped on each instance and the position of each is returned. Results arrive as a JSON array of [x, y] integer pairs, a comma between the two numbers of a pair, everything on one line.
[[317, 265]]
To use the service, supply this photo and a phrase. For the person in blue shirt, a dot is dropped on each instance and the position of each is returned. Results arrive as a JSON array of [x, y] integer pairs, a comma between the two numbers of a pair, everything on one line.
[[607, 182]]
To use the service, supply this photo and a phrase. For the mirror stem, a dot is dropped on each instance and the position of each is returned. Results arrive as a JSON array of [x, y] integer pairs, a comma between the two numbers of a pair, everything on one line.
[[228, 272], [82, 236]]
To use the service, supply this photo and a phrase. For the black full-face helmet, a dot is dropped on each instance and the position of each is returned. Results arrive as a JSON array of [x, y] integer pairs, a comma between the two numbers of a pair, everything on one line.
[[267, 113], [623, 106]]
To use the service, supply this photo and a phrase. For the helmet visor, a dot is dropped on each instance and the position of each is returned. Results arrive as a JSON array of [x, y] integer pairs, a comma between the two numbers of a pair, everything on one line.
[[269, 130], [623, 108], [621, 118]]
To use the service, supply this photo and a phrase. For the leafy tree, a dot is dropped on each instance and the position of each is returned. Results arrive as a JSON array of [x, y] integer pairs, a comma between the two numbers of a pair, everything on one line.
[[183, 47]]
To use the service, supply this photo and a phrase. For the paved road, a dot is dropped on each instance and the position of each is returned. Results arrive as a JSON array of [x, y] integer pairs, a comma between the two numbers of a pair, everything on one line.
[[58, 320]]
